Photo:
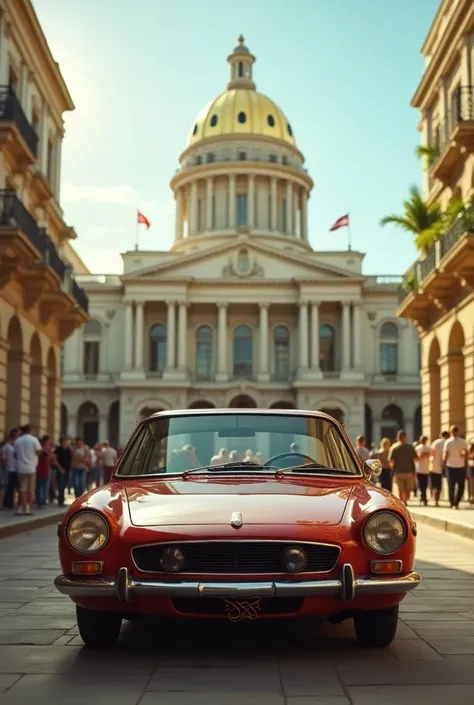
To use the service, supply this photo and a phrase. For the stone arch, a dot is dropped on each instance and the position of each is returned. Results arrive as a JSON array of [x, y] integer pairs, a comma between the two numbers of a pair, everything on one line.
[[152, 404], [201, 404], [335, 408], [114, 423], [392, 421], [242, 401], [52, 395], [147, 411], [282, 404], [434, 381], [456, 377], [88, 422], [36, 385], [15, 375], [334, 411]]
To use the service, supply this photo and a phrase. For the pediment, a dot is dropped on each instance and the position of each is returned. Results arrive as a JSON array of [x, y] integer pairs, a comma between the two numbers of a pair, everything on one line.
[[243, 259]]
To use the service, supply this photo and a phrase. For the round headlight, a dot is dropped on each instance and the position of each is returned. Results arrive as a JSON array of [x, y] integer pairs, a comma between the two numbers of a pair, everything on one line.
[[88, 532], [293, 559], [172, 559], [385, 532]]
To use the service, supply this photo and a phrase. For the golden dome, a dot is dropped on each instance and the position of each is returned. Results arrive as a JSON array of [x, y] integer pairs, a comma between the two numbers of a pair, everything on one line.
[[241, 110]]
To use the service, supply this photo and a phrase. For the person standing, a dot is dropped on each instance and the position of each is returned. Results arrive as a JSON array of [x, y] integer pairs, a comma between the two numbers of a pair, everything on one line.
[[402, 458], [10, 465], [437, 466], [423, 452], [43, 472], [382, 454], [63, 455], [80, 467], [27, 449], [361, 449], [455, 456], [109, 460]]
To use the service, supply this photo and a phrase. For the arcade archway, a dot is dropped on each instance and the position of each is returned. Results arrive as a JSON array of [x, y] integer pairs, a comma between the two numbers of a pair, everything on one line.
[[242, 401]]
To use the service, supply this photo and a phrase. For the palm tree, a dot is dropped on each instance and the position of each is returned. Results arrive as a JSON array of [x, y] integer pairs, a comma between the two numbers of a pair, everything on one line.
[[417, 217]]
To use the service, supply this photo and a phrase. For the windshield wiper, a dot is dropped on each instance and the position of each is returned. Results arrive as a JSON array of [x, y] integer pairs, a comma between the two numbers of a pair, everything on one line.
[[314, 466], [233, 465]]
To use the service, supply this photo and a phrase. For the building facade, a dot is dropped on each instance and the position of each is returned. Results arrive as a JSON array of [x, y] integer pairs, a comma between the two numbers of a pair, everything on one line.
[[40, 303], [441, 300], [241, 312]]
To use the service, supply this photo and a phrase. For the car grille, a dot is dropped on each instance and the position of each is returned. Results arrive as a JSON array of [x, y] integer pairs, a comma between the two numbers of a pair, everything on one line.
[[237, 557], [224, 608]]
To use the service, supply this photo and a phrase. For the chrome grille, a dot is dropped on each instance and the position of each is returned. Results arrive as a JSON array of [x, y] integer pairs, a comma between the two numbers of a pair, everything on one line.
[[229, 557]]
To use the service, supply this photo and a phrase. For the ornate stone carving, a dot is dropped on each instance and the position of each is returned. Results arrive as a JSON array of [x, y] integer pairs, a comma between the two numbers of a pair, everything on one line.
[[255, 271]]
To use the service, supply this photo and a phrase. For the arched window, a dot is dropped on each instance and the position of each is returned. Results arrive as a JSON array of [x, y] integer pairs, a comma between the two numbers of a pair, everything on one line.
[[204, 352], [243, 352], [158, 348], [281, 342], [389, 348], [327, 360], [92, 334], [392, 421]]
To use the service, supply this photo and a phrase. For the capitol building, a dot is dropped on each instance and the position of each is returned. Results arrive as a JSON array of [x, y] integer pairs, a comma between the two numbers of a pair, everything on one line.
[[241, 312]]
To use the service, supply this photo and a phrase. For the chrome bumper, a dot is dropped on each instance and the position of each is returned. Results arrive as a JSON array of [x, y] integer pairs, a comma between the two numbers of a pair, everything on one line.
[[346, 587]]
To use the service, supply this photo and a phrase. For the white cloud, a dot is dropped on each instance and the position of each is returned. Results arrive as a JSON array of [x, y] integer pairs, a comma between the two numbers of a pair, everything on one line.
[[106, 229], [121, 193]]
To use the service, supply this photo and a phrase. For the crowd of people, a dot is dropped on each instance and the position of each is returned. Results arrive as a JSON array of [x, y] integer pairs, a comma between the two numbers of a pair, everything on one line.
[[34, 471], [420, 467]]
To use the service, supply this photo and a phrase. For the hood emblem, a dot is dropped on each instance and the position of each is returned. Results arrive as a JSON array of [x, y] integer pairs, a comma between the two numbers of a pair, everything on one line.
[[236, 520]]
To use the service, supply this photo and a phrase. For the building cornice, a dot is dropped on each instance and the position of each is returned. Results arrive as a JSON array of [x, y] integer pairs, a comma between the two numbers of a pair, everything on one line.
[[233, 137]]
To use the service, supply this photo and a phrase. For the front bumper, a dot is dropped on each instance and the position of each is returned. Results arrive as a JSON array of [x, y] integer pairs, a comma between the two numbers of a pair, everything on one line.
[[346, 587]]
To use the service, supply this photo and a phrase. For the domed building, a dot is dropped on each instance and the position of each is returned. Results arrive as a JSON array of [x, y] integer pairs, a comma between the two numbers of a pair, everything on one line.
[[241, 312]]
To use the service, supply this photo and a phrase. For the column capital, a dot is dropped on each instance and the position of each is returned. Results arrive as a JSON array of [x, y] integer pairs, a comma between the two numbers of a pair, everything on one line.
[[303, 303], [264, 305], [231, 177], [316, 302], [171, 302], [209, 180], [222, 304]]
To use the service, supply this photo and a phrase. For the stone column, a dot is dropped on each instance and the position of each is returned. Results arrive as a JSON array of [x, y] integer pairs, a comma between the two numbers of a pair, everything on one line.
[[274, 204], [303, 332], [57, 166], [289, 208], [139, 326], [264, 375], [43, 140], [128, 335], [39, 399], [193, 208], [179, 215], [4, 347], [209, 194], [445, 415], [315, 368], [182, 337], [222, 372], [346, 336], [468, 352], [466, 58], [251, 201], [232, 201], [171, 336], [357, 334], [304, 215], [5, 30], [103, 427]]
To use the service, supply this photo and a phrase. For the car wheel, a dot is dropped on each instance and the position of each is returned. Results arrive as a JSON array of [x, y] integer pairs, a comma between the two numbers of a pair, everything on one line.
[[98, 629], [376, 628]]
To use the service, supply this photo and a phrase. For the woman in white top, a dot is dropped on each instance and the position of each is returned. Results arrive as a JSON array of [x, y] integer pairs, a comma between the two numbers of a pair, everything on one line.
[[423, 452]]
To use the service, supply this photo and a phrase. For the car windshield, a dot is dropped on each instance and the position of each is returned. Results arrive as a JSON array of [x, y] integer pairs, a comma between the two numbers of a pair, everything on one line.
[[179, 444]]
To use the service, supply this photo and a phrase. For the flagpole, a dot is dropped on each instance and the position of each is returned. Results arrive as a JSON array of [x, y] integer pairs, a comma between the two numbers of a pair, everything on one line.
[[349, 237], [137, 231]]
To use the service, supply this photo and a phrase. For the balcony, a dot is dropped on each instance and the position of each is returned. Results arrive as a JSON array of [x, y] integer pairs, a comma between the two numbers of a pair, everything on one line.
[[454, 136], [432, 283], [29, 256], [16, 132]]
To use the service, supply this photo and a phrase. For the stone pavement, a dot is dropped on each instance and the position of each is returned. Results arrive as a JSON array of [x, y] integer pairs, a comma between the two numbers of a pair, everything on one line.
[[42, 660], [10, 524]]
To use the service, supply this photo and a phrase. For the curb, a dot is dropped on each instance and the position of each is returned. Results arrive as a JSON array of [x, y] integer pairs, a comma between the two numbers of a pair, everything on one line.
[[451, 527], [24, 527]]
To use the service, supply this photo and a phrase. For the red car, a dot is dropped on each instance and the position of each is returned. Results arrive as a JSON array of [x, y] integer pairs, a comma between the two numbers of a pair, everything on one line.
[[238, 514]]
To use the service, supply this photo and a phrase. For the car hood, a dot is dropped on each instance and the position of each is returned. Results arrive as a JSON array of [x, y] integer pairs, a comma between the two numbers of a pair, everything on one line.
[[213, 502]]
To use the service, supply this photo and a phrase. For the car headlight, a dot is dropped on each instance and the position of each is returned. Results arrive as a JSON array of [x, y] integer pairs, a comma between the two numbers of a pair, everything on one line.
[[88, 532], [172, 559], [385, 532], [293, 559]]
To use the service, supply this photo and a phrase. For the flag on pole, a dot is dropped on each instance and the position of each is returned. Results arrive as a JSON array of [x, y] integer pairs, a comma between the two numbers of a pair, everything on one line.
[[143, 220], [342, 222]]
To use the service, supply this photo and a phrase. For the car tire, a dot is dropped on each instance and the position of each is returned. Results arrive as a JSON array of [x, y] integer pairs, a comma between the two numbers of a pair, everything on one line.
[[376, 628], [98, 629]]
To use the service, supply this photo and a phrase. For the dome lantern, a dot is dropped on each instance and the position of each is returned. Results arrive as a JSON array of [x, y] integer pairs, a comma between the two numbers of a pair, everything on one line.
[[241, 62]]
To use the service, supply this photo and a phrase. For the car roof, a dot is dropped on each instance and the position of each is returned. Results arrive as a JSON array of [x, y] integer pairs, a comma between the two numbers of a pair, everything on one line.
[[269, 412]]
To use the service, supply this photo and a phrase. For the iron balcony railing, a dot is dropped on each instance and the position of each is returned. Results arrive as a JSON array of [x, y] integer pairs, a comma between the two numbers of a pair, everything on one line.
[[80, 296], [51, 256], [14, 214], [462, 111], [11, 110]]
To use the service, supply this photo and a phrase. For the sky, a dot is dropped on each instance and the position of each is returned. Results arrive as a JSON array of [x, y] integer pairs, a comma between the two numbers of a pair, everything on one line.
[[343, 71]]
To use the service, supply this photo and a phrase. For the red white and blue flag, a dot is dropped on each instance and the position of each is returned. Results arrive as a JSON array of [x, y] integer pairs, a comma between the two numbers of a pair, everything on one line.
[[342, 222]]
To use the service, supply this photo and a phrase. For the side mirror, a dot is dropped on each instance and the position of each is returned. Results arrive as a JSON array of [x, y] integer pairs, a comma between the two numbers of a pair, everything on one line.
[[372, 468]]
